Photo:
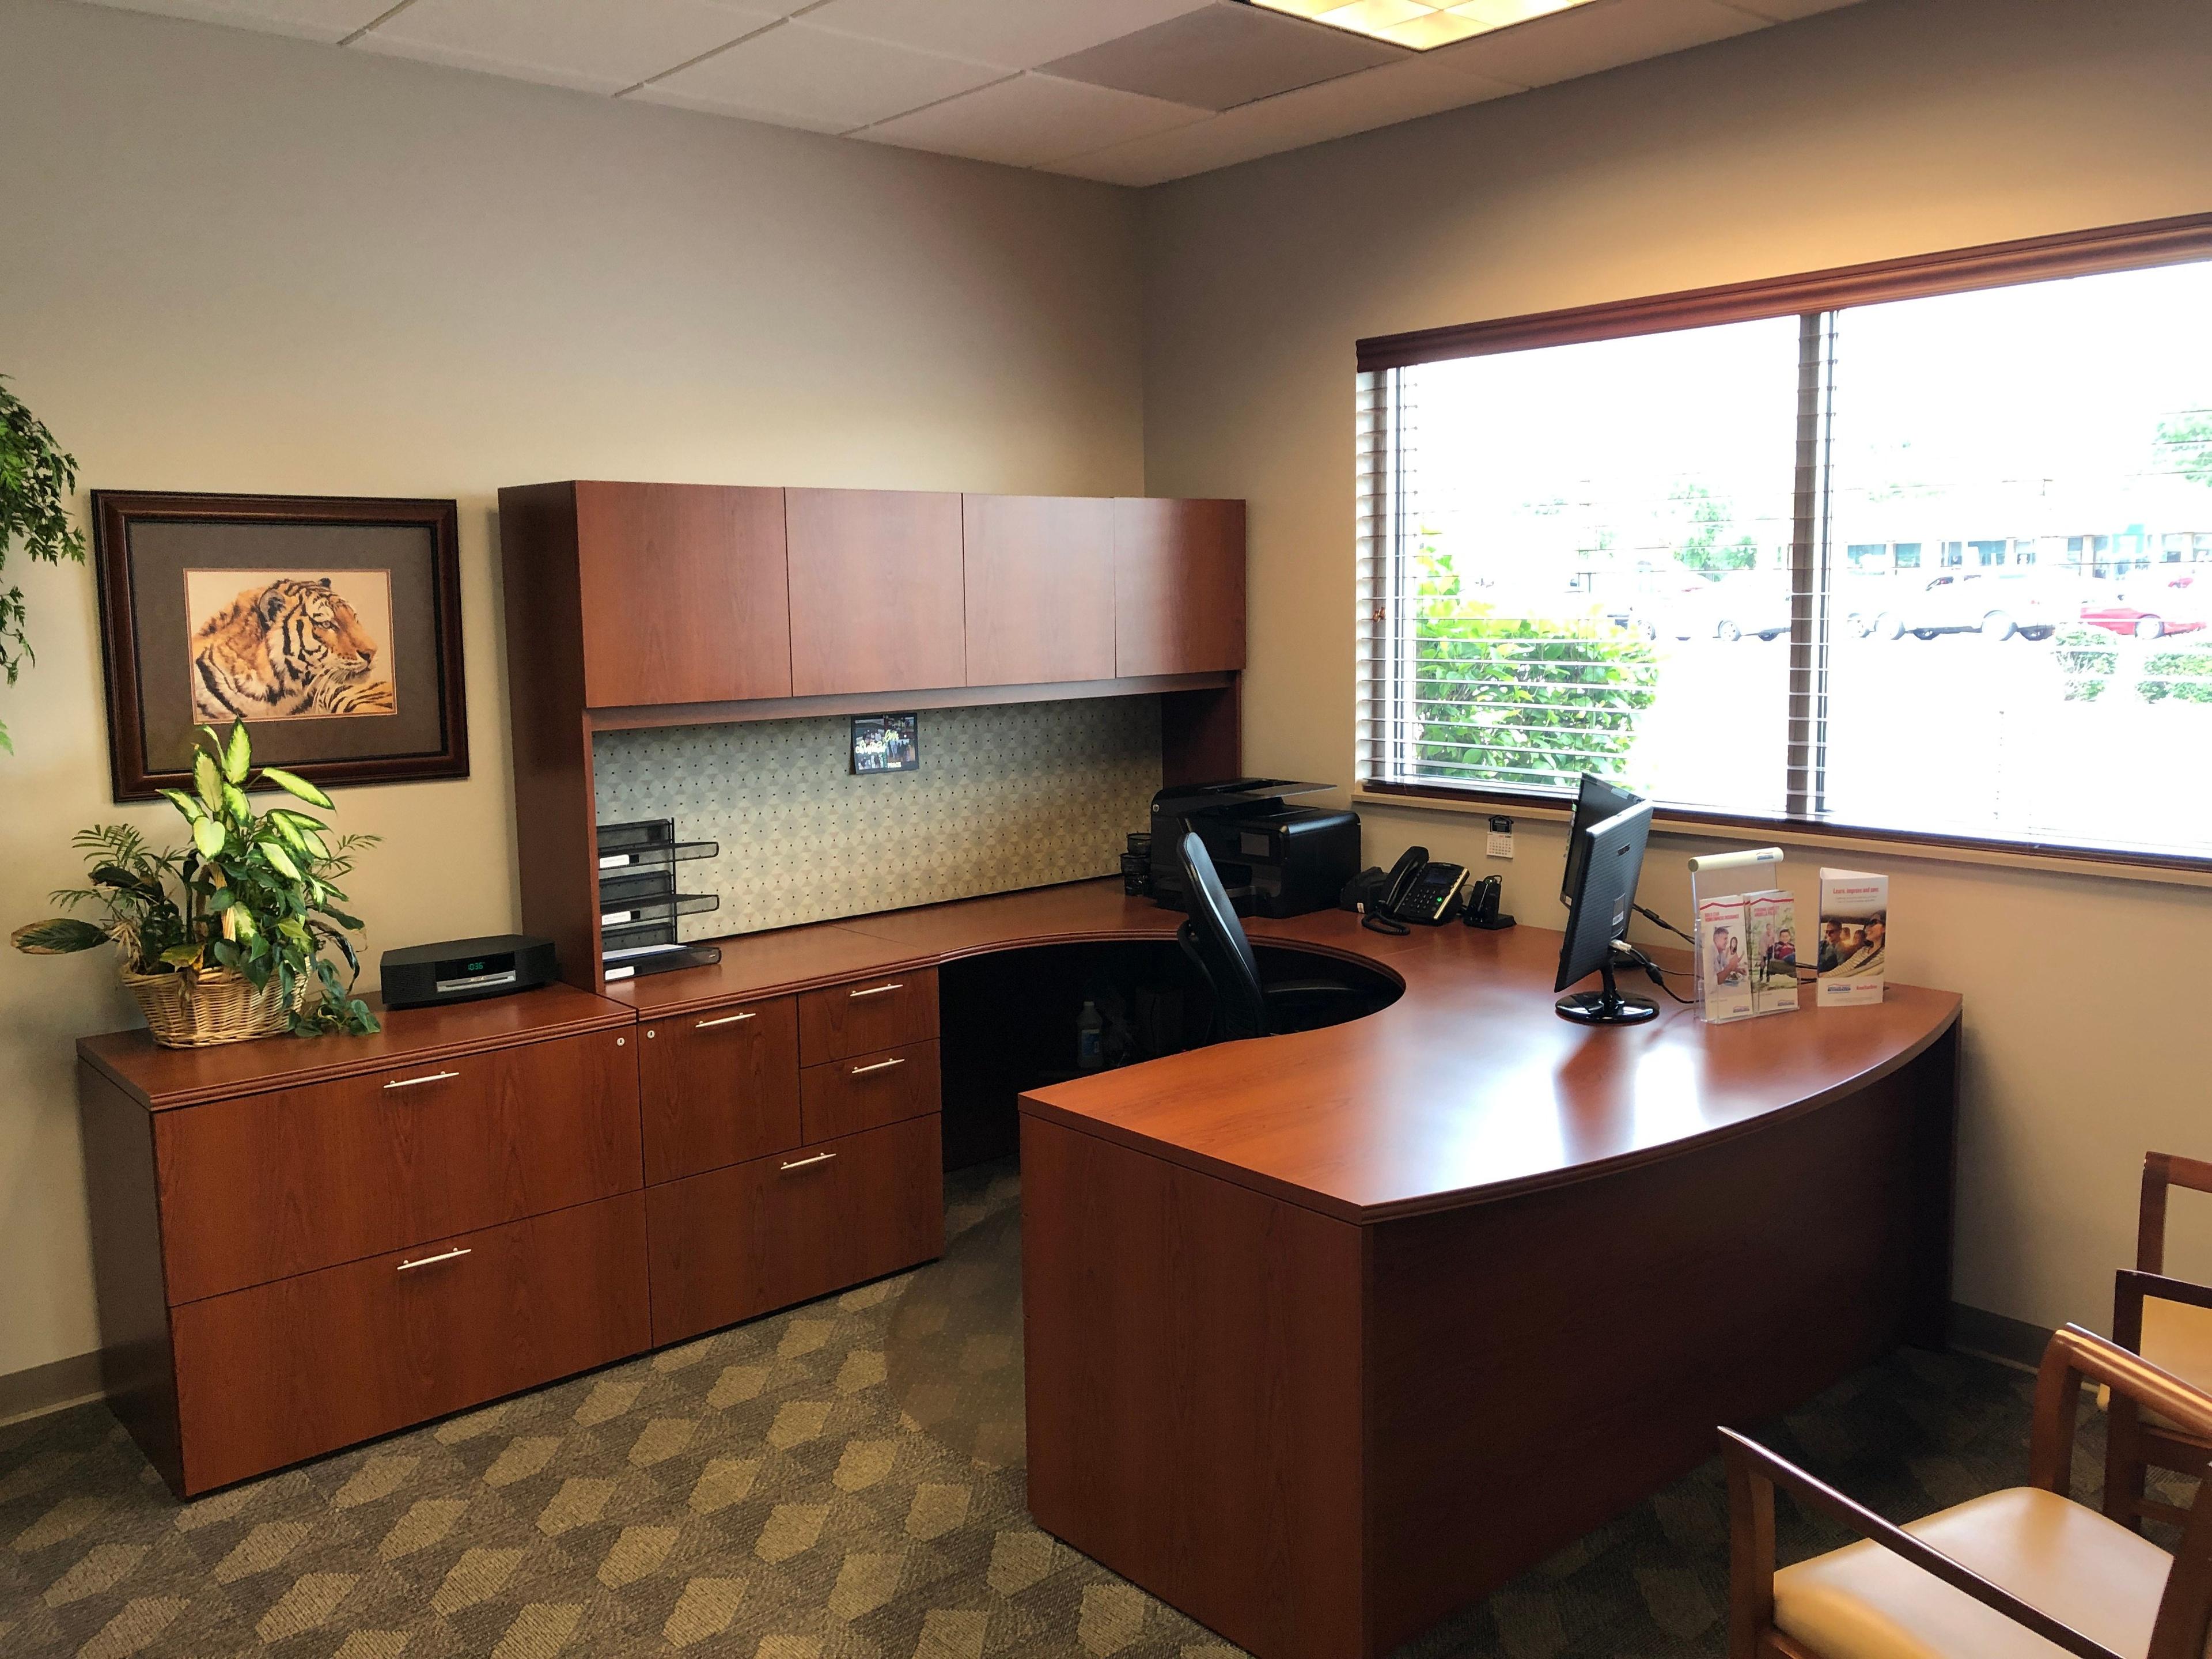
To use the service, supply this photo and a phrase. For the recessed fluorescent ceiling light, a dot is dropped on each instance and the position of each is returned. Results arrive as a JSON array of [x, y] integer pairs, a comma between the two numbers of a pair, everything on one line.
[[1419, 23]]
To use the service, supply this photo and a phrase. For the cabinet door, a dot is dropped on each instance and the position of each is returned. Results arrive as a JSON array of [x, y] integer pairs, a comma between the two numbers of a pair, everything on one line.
[[875, 591], [1178, 587], [866, 1017], [718, 1086], [735, 1243], [683, 593], [268, 1375], [869, 1091], [1040, 588], [266, 1186]]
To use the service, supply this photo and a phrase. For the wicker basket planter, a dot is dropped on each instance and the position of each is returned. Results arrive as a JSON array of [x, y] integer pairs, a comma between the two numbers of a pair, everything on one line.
[[216, 1004]]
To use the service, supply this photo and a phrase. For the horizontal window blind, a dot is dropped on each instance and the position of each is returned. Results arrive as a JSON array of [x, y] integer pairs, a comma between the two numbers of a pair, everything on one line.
[[1932, 559]]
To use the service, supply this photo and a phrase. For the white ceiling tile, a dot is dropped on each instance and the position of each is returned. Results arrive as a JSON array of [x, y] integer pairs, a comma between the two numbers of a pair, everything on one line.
[[1200, 148], [1225, 56], [312, 20], [1011, 34], [1311, 115], [1033, 119], [1585, 39], [677, 97], [601, 45], [807, 77]]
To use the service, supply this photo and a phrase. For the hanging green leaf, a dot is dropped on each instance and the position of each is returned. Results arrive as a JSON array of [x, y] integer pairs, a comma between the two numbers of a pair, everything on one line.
[[184, 803], [204, 780], [183, 956], [207, 835], [276, 855], [57, 936], [237, 754], [296, 786], [234, 800], [37, 479]]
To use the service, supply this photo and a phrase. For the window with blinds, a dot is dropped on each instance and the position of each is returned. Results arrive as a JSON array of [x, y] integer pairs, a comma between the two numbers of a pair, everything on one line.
[[1919, 550]]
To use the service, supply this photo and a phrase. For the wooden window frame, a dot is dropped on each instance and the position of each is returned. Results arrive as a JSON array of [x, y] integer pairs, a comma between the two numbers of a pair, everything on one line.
[[1810, 296]]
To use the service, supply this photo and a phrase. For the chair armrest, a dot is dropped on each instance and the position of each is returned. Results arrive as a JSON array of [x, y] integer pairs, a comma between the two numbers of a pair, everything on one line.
[[2075, 1354], [1757, 1471]]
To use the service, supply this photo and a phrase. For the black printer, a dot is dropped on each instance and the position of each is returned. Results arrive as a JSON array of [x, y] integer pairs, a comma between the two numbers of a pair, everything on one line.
[[1275, 860]]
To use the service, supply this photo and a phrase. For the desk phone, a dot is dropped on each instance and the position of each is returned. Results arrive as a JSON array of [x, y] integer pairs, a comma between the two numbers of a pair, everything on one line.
[[1420, 892]]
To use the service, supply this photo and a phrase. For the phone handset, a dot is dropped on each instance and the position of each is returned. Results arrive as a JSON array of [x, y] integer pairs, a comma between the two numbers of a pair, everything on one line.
[[1382, 917]]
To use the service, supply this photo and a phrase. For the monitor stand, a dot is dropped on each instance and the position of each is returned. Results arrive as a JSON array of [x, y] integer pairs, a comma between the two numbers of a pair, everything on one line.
[[1606, 1007]]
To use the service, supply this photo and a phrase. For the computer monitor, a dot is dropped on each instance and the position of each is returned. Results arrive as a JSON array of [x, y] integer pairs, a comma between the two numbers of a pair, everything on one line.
[[1596, 801], [1611, 858]]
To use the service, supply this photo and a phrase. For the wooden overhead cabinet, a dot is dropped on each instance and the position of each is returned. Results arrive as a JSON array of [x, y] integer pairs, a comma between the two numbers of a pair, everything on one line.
[[683, 593], [1178, 585], [1040, 580], [875, 591]]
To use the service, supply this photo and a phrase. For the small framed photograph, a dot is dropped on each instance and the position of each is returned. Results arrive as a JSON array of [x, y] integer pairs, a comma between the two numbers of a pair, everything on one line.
[[332, 626], [885, 743]]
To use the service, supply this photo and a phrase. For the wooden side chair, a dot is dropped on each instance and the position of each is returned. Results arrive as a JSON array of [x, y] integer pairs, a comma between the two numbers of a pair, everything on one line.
[[2169, 1323], [2021, 1574]]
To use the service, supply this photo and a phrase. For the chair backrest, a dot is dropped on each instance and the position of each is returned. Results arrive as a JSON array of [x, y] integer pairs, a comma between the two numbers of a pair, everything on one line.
[[1214, 939], [2160, 1170]]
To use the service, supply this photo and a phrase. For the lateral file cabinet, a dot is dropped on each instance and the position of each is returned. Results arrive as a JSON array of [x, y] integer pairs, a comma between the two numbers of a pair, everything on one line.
[[808, 1167], [301, 1246]]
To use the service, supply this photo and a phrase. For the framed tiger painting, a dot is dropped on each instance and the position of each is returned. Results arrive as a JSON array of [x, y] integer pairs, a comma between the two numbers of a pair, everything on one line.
[[331, 625]]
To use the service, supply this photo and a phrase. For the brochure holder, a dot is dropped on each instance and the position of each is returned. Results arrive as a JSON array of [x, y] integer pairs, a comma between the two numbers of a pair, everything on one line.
[[1722, 864]]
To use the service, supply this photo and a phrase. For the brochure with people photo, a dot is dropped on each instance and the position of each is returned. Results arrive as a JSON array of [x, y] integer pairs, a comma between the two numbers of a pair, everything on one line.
[[1772, 920], [1854, 937], [1724, 960]]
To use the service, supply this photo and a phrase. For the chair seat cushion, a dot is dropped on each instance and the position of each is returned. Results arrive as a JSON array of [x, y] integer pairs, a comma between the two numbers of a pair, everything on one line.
[[2177, 1337], [2061, 1557]]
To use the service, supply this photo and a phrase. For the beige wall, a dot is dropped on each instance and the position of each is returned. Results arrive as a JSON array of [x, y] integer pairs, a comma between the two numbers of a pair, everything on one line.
[[230, 262], [1887, 129]]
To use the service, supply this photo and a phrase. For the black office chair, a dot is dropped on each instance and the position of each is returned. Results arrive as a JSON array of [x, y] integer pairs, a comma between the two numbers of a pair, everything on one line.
[[1243, 1007]]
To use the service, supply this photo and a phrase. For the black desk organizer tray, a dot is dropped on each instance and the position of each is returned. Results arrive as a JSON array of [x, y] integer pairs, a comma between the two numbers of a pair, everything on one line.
[[639, 903]]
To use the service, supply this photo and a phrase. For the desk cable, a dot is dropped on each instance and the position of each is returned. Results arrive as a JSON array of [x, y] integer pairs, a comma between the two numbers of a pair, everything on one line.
[[1654, 971]]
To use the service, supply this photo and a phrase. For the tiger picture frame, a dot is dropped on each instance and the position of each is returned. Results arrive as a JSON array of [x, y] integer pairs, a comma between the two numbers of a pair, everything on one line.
[[330, 624]]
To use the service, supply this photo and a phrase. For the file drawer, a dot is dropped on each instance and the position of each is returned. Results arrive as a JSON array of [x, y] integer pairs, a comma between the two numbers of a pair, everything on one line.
[[736, 1242], [718, 1086], [869, 1091], [867, 1015], [267, 1186], [290, 1370]]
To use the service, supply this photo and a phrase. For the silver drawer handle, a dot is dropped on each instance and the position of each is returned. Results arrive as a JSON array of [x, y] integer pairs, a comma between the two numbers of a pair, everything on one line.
[[808, 1163], [877, 990], [411, 1082], [430, 1260], [880, 1065], [727, 1020]]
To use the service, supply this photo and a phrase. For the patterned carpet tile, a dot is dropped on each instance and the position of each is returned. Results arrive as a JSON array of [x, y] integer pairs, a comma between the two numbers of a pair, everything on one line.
[[842, 1482]]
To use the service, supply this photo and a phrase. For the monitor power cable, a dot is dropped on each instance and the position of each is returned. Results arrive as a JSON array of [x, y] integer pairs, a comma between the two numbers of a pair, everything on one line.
[[1654, 972], [1658, 921]]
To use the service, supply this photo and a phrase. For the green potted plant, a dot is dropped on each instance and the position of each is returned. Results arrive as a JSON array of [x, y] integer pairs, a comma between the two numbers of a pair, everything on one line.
[[225, 939], [36, 480]]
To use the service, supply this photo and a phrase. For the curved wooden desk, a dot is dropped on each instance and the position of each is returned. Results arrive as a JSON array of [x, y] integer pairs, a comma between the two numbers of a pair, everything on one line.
[[1329, 1334]]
